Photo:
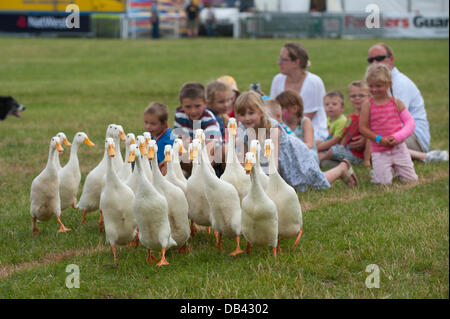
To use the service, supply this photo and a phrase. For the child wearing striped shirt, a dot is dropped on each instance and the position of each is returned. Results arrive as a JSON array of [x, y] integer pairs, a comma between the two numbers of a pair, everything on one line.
[[192, 114]]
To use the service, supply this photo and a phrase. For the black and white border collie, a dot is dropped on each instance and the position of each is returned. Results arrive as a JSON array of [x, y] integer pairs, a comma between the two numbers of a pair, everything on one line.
[[10, 106]]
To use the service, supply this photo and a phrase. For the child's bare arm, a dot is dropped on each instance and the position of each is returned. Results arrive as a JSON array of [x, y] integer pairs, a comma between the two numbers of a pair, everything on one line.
[[400, 106], [308, 132], [327, 144], [163, 167]]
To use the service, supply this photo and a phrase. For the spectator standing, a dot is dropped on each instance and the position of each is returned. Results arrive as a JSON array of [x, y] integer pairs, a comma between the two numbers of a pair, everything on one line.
[[192, 14], [155, 20]]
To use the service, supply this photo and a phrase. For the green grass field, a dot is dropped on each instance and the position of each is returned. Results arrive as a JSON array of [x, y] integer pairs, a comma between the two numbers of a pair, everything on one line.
[[73, 85]]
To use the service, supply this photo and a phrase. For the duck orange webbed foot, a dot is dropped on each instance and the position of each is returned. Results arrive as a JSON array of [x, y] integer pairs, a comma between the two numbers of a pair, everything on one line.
[[150, 257], [238, 249], [62, 228], [163, 261]]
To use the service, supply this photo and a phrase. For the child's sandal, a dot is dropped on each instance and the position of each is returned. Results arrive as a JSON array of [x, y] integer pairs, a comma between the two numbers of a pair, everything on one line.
[[349, 178]]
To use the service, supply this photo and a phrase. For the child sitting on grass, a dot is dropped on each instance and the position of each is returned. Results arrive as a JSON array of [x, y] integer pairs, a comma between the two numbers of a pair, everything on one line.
[[155, 122], [191, 115], [334, 107], [295, 163], [358, 93], [219, 98], [274, 111], [381, 120], [292, 105]]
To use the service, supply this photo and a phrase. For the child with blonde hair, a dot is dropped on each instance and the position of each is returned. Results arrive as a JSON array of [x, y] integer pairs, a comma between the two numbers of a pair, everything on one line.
[[381, 120], [219, 98], [295, 162]]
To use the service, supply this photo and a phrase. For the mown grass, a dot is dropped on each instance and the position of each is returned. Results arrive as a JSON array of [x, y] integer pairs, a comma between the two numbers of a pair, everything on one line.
[[75, 85]]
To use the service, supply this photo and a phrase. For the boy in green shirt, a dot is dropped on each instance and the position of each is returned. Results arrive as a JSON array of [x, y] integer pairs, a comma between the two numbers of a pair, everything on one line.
[[334, 107]]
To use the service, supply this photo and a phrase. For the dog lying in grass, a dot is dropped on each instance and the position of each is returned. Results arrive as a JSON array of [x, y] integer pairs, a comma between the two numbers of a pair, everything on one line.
[[10, 106]]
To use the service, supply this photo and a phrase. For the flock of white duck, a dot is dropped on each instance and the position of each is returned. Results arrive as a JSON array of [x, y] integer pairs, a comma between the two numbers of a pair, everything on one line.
[[143, 206]]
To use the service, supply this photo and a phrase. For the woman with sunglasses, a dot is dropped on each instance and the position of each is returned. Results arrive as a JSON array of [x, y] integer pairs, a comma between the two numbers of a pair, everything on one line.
[[293, 62]]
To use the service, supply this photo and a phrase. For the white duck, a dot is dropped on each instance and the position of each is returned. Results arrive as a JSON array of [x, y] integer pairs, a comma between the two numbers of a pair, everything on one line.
[[176, 201], [118, 135], [234, 172], [200, 135], [69, 175], [199, 210], [132, 181], [116, 205], [223, 200], [177, 149], [285, 197], [62, 140], [255, 148], [170, 174], [259, 213], [44, 195], [147, 137], [92, 188], [125, 171], [151, 211]]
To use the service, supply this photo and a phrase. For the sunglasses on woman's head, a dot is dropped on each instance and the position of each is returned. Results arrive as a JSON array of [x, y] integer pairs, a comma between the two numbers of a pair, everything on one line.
[[378, 58]]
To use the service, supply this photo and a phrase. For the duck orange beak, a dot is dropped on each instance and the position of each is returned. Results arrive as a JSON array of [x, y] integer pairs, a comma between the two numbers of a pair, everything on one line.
[[151, 153], [191, 155], [133, 141], [167, 157], [59, 147], [248, 166], [111, 152], [122, 136], [253, 149], [182, 149], [267, 151], [143, 149], [66, 142], [87, 141], [132, 156], [232, 129]]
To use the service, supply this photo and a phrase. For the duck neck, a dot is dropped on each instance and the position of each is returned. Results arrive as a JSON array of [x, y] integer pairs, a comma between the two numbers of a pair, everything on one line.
[[272, 167], [52, 157], [111, 176], [256, 187], [118, 156], [157, 176], [170, 170], [74, 153], [231, 152], [205, 171]]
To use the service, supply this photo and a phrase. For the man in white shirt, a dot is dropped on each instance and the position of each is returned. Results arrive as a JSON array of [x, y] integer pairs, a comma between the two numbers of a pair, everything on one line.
[[405, 90]]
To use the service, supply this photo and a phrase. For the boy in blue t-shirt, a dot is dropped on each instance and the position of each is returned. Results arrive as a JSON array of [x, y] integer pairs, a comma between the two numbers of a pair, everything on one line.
[[156, 116]]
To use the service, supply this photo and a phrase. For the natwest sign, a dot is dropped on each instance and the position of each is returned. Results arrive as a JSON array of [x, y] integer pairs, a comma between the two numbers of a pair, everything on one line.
[[42, 22]]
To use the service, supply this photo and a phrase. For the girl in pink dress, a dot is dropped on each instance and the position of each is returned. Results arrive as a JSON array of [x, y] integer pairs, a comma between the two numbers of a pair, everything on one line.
[[386, 122]]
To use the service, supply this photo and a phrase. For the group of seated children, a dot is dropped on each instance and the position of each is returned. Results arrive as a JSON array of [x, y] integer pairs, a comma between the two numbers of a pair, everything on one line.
[[210, 108]]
